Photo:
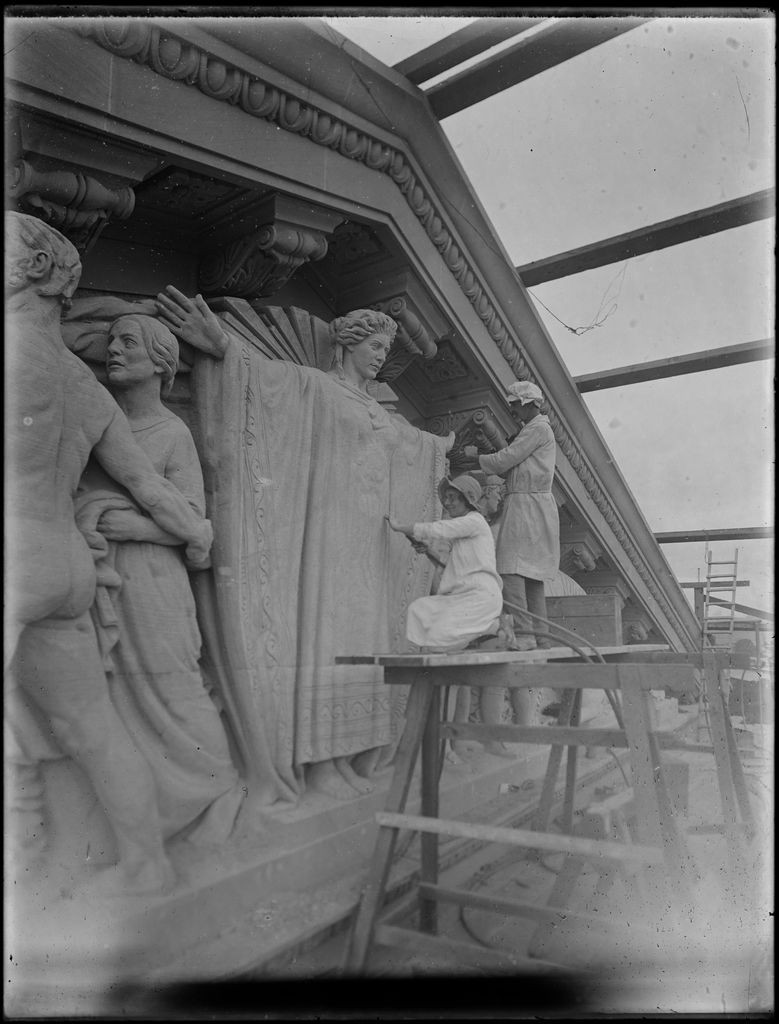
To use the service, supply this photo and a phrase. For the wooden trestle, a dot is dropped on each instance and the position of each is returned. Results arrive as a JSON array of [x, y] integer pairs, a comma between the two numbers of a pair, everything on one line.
[[658, 849]]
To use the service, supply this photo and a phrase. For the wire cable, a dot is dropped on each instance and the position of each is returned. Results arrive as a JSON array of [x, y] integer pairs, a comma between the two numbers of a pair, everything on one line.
[[612, 699]]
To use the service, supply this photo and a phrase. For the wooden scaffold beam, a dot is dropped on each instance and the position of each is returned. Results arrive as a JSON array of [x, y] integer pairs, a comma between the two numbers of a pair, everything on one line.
[[549, 46], [675, 366], [482, 34], [735, 533], [709, 221]]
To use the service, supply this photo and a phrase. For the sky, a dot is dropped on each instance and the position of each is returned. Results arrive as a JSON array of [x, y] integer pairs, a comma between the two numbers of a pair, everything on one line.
[[671, 117]]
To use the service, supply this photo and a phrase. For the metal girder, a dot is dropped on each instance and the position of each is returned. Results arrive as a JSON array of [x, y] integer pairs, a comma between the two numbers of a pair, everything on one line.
[[460, 46], [549, 46], [737, 533], [712, 219], [675, 366]]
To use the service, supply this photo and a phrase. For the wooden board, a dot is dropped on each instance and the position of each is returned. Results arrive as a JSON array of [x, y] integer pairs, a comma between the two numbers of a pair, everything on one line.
[[594, 617], [425, 660]]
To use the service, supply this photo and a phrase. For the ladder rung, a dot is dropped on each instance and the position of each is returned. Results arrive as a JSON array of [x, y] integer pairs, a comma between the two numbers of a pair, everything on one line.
[[413, 941], [527, 838], [732, 561], [722, 576], [722, 586]]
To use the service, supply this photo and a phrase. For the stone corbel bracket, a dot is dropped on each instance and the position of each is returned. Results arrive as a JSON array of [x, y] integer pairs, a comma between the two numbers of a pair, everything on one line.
[[74, 203], [603, 581], [579, 553], [284, 235], [480, 429], [412, 339], [636, 624]]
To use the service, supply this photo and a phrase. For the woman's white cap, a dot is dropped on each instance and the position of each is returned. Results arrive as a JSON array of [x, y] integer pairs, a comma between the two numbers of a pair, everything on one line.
[[523, 391]]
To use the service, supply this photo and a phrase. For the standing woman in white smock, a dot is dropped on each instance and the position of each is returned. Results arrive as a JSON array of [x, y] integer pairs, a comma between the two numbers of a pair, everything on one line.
[[528, 543], [469, 600]]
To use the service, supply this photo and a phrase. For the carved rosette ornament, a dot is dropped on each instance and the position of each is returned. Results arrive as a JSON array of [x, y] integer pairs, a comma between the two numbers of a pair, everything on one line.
[[260, 264], [74, 203], [155, 47]]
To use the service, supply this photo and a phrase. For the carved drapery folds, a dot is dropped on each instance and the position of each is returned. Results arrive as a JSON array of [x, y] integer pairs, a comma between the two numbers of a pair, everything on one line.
[[284, 235]]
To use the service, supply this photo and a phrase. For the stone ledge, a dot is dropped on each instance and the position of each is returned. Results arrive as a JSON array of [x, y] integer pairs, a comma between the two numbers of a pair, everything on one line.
[[267, 903]]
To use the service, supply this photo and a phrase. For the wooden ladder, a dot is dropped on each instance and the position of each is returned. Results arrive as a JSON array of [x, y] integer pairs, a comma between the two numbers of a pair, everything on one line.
[[660, 849], [724, 579]]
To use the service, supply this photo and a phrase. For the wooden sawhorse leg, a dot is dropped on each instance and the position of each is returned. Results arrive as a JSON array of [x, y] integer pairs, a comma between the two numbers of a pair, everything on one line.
[[418, 711], [570, 702], [734, 795]]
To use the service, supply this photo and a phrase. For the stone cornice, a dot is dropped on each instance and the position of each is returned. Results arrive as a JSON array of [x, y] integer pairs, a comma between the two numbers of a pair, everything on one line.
[[176, 58]]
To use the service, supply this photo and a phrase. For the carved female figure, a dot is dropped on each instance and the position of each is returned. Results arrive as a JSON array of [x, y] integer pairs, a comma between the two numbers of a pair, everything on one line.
[[152, 648], [305, 568]]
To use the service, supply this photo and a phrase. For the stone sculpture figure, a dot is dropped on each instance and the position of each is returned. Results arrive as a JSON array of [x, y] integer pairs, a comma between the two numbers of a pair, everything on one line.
[[304, 565], [148, 631], [56, 415]]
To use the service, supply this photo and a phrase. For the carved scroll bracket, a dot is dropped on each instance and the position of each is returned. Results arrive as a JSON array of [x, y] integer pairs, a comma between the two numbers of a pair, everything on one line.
[[283, 234], [480, 429], [72, 178], [411, 341], [74, 203], [579, 553]]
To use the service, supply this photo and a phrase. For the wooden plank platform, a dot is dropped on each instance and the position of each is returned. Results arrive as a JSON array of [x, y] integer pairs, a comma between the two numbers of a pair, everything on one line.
[[466, 658]]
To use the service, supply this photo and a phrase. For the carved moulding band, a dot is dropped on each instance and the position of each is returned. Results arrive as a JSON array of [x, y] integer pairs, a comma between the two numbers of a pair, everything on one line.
[[180, 60]]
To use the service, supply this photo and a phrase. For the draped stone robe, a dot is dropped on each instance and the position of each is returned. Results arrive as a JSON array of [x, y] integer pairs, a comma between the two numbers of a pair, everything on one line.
[[300, 470]]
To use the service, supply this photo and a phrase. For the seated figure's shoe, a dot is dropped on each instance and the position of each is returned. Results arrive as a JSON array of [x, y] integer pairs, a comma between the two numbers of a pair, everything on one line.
[[489, 640], [486, 642]]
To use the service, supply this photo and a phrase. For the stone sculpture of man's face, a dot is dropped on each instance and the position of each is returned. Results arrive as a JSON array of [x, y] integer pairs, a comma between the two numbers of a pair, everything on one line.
[[492, 499]]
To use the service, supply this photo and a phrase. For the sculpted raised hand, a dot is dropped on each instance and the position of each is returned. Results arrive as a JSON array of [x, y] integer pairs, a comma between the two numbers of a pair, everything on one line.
[[192, 321]]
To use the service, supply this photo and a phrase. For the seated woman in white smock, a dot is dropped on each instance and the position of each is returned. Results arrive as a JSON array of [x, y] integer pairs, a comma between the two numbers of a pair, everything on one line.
[[469, 598]]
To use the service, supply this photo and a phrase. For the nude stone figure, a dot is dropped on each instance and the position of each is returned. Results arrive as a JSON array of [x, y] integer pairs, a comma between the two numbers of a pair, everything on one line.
[[57, 415]]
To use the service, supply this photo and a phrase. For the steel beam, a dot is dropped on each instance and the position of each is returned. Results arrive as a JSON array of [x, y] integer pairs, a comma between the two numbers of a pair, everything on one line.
[[676, 366], [460, 46], [737, 533], [708, 221], [549, 46]]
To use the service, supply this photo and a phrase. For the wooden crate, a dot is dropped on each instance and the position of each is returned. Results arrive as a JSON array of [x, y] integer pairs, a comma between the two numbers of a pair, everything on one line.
[[594, 617]]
